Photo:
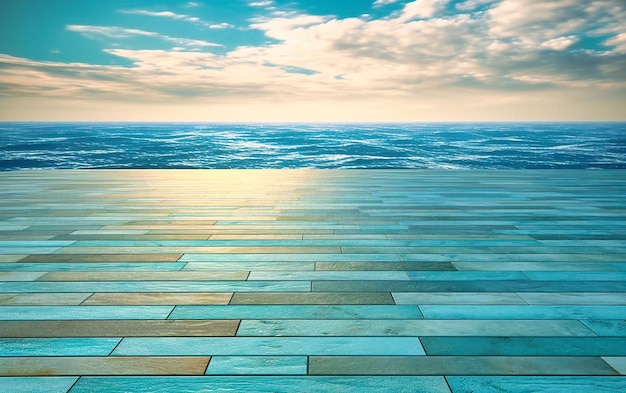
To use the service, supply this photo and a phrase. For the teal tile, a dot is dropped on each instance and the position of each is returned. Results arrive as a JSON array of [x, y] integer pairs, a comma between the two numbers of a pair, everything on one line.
[[525, 346], [287, 258], [329, 275], [580, 298], [296, 312], [261, 384], [34, 243], [273, 346], [20, 276], [57, 346], [250, 265], [257, 365], [36, 384], [87, 266], [618, 363], [31, 313], [467, 275], [523, 312], [422, 298], [577, 276], [607, 328], [159, 286], [533, 384], [412, 328], [458, 365]]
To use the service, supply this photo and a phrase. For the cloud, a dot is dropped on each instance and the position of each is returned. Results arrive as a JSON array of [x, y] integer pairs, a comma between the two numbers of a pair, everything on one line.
[[97, 32], [380, 3], [262, 3], [192, 4], [516, 50], [175, 16]]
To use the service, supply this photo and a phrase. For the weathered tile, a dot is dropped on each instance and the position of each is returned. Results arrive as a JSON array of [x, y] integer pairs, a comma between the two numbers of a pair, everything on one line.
[[37, 384], [22, 313], [57, 346], [523, 312], [108, 365], [156, 298], [457, 365], [124, 257], [385, 266], [578, 298], [257, 365], [531, 384], [329, 275], [261, 384], [525, 346], [607, 328], [410, 328], [291, 311], [260, 346], [420, 298], [20, 276], [118, 328], [618, 363], [42, 299], [144, 276], [312, 298]]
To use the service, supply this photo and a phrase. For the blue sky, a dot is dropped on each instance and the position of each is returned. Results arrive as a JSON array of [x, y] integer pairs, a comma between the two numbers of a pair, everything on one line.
[[312, 60]]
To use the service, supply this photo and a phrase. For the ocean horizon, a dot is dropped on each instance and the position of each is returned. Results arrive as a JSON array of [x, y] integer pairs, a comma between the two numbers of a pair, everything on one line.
[[470, 145]]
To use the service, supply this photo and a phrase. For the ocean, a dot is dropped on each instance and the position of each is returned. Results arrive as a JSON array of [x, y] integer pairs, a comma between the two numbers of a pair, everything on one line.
[[323, 146]]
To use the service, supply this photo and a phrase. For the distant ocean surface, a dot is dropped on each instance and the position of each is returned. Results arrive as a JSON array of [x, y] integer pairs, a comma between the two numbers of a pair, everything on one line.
[[332, 146]]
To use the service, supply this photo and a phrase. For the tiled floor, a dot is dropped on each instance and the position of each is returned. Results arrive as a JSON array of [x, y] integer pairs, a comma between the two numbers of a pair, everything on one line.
[[313, 280]]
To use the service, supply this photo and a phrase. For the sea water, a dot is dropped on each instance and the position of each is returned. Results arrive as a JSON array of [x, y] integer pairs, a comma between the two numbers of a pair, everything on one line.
[[332, 146]]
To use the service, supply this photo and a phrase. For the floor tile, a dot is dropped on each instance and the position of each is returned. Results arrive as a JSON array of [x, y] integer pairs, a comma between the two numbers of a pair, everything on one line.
[[618, 363], [420, 298], [57, 346], [457, 365], [257, 365], [118, 328], [109, 365], [37, 384], [531, 384], [262, 384], [157, 298], [523, 312], [23, 313], [260, 346], [312, 298]]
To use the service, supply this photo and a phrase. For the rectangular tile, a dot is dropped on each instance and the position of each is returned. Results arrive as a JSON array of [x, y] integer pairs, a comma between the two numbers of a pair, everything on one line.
[[42, 299], [385, 266], [89, 266], [607, 327], [580, 298], [513, 312], [413, 328], [157, 286], [524, 346], [312, 298], [419, 298], [532, 384], [261, 346], [20, 276], [23, 313], [258, 365], [37, 384], [57, 346], [458, 365], [245, 265], [329, 275], [109, 365], [123, 257], [144, 276], [117, 328], [296, 312], [260, 384], [156, 298]]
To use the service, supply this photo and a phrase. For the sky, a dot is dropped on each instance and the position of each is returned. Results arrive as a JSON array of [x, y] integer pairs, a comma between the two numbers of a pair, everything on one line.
[[312, 60]]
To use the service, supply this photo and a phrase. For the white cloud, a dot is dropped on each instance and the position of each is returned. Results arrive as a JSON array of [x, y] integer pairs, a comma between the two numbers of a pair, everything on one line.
[[421, 9], [262, 3], [380, 3], [95, 32], [506, 52], [560, 43], [192, 4], [181, 17]]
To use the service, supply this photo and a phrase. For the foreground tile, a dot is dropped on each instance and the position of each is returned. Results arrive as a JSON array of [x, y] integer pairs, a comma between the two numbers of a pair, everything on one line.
[[532, 384], [117, 328], [457, 298], [412, 328], [618, 363], [296, 312], [257, 365], [261, 384], [143, 276], [607, 328], [525, 346], [313, 298], [260, 346], [57, 346], [17, 313], [37, 384], [108, 365], [42, 299], [523, 312], [157, 298], [457, 365]]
